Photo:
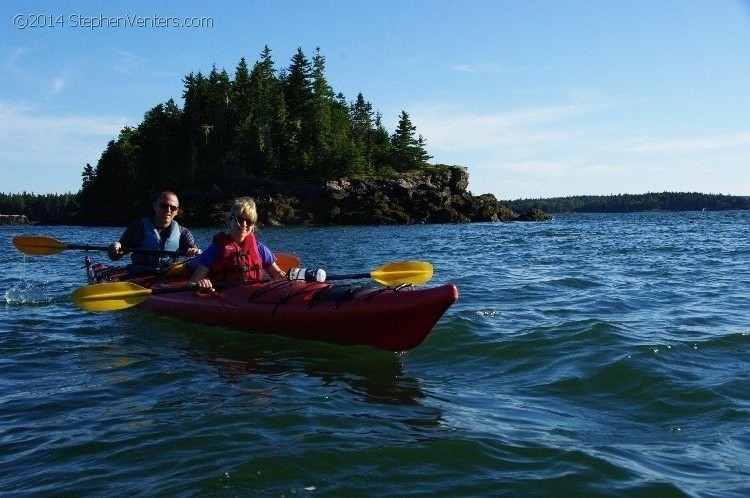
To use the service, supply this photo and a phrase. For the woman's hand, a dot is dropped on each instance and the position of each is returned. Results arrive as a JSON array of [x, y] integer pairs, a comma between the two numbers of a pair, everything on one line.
[[192, 251], [203, 284], [275, 272]]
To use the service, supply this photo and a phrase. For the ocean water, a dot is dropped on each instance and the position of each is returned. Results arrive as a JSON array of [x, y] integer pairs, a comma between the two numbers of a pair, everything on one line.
[[594, 355]]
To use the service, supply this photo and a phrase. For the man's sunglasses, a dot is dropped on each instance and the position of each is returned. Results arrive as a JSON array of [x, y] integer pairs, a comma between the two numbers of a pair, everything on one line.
[[166, 206]]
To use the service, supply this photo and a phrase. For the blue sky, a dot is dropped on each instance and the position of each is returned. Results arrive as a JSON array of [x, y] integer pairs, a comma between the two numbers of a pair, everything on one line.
[[538, 98]]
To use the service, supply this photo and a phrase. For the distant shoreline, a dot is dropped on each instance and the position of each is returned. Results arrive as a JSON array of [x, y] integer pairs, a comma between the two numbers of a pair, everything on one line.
[[14, 219], [62, 209]]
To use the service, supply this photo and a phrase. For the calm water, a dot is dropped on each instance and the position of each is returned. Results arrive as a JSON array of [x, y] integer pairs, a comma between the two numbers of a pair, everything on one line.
[[595, 355]]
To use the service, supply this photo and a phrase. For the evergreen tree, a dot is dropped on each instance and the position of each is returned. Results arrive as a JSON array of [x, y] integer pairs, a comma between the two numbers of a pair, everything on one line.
[[363, 130], [195, 124], [217, 130], [408, 152], [89, 176], [298, 96], [264, 129], [320, 134], [110, 197], [298, 89], [382, 149], [240, 118], [159, 140]]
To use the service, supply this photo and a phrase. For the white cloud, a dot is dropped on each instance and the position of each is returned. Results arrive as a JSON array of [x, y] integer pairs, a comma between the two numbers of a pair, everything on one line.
[[487, 68], [57, 85], [580, 148], [127, 62], [691, 144], [29, 136], [538, 168], [15, 54], [11, 64], [450, 129]]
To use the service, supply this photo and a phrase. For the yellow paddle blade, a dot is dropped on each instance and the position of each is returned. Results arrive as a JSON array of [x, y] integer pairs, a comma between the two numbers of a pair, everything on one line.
[[287, 261], [37, 245], [109, 296], [403, 272]]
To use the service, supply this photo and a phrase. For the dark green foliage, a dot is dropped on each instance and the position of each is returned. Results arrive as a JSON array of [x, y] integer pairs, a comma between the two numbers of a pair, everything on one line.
[[284, 125], [626, 203], [49, 208], [408, 152]]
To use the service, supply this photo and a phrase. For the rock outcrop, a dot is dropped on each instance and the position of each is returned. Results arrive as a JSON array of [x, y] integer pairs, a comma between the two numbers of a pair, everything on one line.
[[434, 195], [534, 214]]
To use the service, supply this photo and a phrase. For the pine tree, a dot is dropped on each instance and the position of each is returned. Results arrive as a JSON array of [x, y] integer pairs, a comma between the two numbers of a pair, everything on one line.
[[382, 148], [363, 130], [265, 128], [89, 176], [239, 115], [404, 144], [160, 159], [298, 96]]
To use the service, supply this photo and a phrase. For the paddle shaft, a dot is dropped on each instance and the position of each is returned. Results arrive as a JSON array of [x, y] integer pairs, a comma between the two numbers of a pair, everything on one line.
[[195, 288], [350, 276], [159, 252]]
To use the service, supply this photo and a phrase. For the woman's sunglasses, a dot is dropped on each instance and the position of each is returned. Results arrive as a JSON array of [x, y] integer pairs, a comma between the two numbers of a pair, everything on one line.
[[243, 221]]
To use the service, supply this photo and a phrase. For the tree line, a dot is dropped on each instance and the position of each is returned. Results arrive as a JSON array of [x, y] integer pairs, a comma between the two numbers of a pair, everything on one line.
[[47, 208], [626, 203], [62, 208], [260, 122]]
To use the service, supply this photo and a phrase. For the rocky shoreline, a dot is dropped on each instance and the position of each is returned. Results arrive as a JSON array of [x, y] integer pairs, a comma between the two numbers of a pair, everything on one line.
[[434, 195], [13, 219]]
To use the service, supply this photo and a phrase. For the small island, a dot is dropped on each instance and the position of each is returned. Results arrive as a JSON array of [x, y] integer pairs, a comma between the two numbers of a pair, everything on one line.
[[285, 137]]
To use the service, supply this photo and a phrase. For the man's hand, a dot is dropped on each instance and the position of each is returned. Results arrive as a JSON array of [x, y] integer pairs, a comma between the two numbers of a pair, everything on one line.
[[115, 251]]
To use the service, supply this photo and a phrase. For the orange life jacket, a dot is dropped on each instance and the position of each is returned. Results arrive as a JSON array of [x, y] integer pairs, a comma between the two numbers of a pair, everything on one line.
[[236, 262]]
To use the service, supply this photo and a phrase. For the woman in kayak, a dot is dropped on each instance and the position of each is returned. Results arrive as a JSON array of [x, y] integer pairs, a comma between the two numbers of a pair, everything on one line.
[[236, 256]]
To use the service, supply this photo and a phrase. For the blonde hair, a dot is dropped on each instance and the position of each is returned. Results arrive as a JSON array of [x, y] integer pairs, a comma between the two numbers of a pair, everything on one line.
[[243, 207]]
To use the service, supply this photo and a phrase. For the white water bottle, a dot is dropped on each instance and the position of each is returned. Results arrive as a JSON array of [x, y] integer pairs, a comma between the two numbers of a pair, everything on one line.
[[308, 274]]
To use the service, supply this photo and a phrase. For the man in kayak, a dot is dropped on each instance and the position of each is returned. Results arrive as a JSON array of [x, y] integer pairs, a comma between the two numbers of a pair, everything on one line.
[[160, 233], [236, 256]]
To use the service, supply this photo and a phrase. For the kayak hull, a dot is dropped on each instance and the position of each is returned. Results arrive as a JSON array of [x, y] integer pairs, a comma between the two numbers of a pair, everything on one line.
[[394, 319]]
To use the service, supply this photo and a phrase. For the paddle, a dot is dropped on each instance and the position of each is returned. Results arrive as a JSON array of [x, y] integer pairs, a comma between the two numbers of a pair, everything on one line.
[[393, 274], [40, 245], [120, 295]]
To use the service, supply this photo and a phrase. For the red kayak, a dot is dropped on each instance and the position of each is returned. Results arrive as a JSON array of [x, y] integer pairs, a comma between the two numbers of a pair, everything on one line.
[[395, 319]]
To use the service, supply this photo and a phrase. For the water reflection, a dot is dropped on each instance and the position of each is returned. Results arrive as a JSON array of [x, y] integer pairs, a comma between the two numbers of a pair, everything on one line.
[[372, 375]]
